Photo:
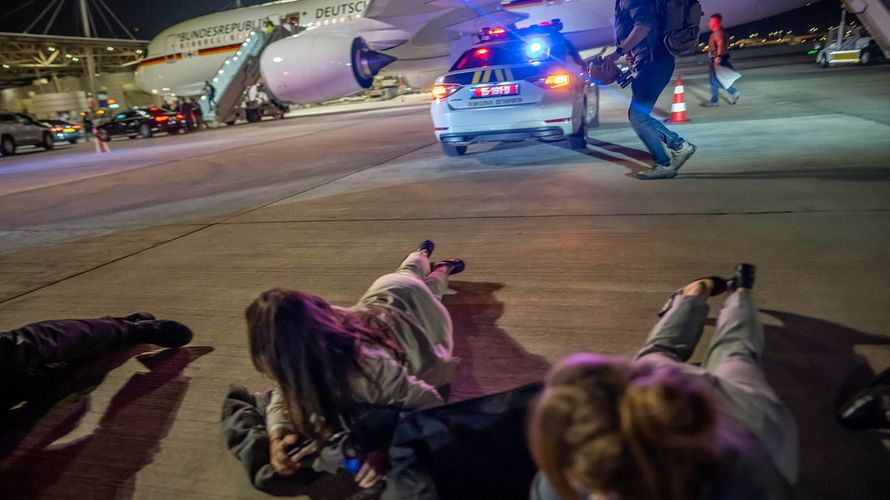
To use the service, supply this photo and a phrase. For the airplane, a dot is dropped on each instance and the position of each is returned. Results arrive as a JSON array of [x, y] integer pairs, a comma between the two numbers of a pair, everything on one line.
[[342, 44]]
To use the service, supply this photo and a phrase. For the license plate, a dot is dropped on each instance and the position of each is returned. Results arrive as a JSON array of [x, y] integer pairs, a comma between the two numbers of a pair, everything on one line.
[[490, 91], [68, 130]]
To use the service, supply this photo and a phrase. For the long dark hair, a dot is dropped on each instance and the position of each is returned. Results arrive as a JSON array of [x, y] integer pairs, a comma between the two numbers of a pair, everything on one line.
[[311, 350]]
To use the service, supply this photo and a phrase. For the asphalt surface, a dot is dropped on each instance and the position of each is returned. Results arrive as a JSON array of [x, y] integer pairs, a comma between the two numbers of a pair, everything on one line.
[[566, 251]]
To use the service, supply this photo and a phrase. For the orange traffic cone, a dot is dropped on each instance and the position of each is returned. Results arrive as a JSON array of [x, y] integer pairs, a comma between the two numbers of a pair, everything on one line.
[[678, 109], [102, 146]]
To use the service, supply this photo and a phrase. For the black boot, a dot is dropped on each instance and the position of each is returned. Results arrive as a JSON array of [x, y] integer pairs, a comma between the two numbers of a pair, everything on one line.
[[454, 265], [743, 278]]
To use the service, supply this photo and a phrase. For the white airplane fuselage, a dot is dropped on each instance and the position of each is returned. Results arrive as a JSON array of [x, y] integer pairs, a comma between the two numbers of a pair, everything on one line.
[[181, 58]]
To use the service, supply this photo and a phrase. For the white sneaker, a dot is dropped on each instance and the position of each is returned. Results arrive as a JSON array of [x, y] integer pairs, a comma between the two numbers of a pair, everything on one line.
[[680, 156]]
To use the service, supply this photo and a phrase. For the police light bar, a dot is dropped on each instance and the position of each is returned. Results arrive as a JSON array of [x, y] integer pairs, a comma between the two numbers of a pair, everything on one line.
[[551, 26]]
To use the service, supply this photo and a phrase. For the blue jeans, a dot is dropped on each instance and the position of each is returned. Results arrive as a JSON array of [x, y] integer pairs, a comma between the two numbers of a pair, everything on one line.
[[652, 78], [715, 83]]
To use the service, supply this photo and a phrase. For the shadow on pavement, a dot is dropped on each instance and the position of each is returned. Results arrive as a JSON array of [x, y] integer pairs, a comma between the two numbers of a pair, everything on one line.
[[103, 464], [491, 361], [813, 366], [841, 173]]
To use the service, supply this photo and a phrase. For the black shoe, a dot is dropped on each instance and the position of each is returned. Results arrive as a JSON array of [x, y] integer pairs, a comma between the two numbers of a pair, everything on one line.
[[454, 265], [743, 277], [139, 316], [869, 409], [720, 284], [426, 245], [164, 332]]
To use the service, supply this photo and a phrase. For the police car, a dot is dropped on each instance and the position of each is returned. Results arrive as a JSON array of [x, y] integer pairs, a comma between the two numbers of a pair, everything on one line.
[[515, 85]]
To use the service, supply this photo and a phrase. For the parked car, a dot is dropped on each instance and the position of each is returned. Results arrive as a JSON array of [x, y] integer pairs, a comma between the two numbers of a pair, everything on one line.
[[17, 130], [64, 131], [143, 122]]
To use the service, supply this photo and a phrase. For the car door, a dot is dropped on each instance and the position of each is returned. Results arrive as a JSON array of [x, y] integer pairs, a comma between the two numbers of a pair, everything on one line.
[[9, 125], [117, 124], [134, 121], [29, 132]]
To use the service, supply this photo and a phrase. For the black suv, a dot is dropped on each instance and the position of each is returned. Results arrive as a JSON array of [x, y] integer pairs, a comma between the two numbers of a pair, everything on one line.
[[141, 123]]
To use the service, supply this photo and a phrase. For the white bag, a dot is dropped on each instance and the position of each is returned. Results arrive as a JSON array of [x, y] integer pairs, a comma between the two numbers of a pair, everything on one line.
[[726, 76]]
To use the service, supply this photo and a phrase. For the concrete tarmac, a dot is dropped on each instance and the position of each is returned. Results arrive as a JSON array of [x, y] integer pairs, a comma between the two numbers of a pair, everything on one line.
[[566, 251]]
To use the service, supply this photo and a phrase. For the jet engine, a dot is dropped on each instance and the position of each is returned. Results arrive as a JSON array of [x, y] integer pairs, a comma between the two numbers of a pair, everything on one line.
[[314, 67]]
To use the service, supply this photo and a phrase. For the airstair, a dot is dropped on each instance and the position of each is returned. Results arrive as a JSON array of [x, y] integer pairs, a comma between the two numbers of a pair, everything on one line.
[[237, 75], [875, 16]]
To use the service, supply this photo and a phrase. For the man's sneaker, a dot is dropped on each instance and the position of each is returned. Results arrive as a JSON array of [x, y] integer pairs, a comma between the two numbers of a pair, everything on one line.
[[164, 332], [709, 104], [736, 97], [657, 172], [679, 156]]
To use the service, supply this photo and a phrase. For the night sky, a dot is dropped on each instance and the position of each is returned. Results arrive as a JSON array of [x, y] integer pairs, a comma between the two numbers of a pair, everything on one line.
[[146, 18]]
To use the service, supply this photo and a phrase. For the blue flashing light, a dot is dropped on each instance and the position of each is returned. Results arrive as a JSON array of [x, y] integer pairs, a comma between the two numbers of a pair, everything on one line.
[[536, 48]]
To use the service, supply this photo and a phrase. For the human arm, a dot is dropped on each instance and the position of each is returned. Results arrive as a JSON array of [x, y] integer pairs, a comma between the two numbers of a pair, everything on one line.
[[386, 382], [283, 434]]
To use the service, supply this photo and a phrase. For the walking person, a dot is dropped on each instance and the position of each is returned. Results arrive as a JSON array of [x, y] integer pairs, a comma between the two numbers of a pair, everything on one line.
[[639, 38], [656, 427], [199, 114], [393, 348], [187, 110], [718, 51], [37, 357], [210, 92]]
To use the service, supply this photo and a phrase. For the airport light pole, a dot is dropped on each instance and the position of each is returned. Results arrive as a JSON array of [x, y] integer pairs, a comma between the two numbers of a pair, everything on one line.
[[88, 51]]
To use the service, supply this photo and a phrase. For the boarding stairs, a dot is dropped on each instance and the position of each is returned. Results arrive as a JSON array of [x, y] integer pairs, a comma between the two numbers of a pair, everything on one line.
[[875, 16], [237, 74]]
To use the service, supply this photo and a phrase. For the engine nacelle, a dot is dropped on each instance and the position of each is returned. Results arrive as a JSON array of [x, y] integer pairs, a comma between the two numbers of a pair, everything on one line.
[[314, 67]]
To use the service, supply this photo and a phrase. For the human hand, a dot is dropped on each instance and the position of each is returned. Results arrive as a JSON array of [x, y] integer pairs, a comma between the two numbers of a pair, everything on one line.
[[612, 57], [281, 462], [371, 472], [717, 60]]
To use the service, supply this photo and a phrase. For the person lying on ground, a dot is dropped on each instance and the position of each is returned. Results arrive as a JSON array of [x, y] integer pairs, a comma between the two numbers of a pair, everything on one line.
[[392, 348], [656, 427], [37, 357]]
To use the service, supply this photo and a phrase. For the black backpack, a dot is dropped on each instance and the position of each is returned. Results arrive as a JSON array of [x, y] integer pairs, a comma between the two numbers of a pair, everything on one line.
[[680, 24]]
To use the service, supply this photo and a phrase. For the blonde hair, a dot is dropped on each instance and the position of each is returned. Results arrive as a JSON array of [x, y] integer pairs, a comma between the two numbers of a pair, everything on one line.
[[639, 430]]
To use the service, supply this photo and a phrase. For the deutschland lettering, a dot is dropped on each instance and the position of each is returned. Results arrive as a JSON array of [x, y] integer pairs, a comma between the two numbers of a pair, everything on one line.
[[344, 9], [222, 29]]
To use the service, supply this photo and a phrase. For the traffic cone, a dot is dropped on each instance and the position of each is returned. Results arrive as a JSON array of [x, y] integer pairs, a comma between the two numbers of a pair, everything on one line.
[[678, 109], [102, 146]]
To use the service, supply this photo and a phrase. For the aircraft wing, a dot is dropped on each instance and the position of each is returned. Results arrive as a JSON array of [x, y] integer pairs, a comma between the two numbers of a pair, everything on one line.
[[438, 22], [385, 9]]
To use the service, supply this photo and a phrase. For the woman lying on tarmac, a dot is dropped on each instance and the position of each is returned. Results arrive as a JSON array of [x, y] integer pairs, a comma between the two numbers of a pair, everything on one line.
[[393, 348], [655, 427]]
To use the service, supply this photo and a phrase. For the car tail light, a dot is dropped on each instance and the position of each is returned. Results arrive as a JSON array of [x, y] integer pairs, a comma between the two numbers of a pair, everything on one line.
[[180, 116], [57, 129], [161, 118], [555, 81], [443, 90], [76, 127]]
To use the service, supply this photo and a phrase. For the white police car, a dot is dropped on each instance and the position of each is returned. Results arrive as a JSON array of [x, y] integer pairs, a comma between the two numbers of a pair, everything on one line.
[[515, 85]]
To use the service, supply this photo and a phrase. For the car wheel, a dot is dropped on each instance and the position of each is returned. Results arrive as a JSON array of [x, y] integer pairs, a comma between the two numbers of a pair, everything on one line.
[[132, 136], [865, 56], [454, 150], [145, 131], [72, 141], [230, 123], [47, 141], [593, 110], [7, 146], [823, 61]]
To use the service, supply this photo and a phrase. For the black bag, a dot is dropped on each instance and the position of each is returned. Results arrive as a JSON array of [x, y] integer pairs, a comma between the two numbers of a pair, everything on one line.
[[680, 24], [473, 449]]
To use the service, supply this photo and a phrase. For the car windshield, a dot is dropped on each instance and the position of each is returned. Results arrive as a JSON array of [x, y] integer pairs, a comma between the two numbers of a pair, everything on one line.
[[511, 52]]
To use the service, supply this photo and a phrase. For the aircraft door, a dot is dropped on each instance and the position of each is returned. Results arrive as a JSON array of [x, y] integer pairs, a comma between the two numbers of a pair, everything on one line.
[[171, 48]]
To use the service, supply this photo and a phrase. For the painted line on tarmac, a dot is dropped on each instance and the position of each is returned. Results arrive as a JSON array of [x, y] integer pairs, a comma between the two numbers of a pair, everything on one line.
[[203, 227], [567, 216]]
